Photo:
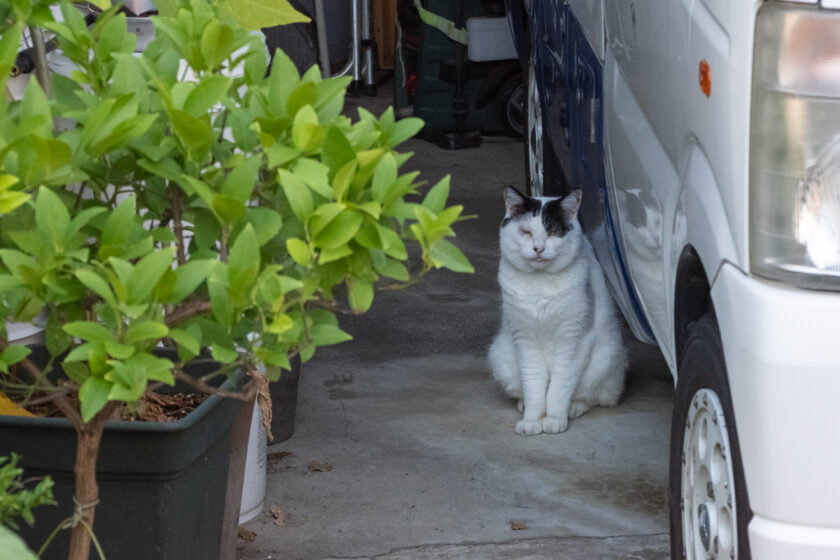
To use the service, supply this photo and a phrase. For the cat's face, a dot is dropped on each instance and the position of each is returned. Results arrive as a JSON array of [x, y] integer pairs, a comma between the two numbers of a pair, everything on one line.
[[540, 233]]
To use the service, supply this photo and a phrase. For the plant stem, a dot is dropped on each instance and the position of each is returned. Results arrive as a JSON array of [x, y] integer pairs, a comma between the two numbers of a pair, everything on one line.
[[89, 436], [41, 70], [178, 225]]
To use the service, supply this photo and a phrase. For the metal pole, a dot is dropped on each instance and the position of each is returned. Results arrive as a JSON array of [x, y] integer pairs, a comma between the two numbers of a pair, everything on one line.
[[323, 46], [368, 44], [357, 47]]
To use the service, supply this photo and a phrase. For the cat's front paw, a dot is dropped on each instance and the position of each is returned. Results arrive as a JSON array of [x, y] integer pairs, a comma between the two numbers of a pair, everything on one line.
[[528, 427], [554, 425]]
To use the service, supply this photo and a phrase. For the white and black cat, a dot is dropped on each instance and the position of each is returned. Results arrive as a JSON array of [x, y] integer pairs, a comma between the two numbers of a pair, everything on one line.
[[559, 350]]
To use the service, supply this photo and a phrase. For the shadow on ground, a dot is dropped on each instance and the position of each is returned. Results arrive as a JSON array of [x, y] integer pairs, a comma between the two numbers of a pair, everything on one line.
[[425, 461]]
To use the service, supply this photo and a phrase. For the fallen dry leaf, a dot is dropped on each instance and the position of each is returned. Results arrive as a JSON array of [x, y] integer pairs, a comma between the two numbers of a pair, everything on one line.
[[246, 535], [518, 526], [317, 466], [279, 516]]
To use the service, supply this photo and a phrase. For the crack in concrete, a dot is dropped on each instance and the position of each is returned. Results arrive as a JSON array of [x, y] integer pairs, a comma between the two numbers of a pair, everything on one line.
[[442, 547]]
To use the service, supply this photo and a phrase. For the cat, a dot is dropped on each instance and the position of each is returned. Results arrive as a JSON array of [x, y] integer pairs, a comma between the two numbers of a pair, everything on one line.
[[559, 350]]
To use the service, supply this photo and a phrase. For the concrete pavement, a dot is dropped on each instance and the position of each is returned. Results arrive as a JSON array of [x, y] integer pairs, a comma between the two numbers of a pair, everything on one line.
[[424, 459]]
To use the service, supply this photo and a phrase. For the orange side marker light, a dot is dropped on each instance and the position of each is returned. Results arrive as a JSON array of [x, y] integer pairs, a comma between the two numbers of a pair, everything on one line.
[[705, 78]]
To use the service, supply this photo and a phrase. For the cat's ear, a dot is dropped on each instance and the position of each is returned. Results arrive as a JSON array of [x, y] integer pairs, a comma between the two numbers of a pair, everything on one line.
[[514, 200], [571, 203]]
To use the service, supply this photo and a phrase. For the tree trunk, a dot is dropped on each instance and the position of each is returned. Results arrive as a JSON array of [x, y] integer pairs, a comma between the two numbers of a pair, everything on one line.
[[89, 436]]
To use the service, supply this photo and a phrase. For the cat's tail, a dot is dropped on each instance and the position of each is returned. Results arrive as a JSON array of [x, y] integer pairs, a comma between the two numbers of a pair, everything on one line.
[[503, 364]]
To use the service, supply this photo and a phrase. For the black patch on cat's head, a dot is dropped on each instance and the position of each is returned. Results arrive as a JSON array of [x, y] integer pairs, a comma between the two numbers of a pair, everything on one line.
[[518, 204], [558, 216]]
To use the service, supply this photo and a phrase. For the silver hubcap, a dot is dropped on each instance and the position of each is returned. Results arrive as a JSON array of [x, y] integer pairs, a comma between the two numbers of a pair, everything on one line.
[[708, 498], [535, 132]]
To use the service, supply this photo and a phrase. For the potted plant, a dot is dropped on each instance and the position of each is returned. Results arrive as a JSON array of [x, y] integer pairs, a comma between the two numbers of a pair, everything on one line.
[[228, 216]]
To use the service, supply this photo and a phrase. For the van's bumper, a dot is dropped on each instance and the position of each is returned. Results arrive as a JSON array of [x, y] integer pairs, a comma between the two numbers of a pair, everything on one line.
[[771, 540], [782, 350]]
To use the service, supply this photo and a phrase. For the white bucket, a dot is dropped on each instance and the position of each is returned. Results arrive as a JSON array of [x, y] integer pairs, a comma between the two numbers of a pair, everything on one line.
[[253, 485]]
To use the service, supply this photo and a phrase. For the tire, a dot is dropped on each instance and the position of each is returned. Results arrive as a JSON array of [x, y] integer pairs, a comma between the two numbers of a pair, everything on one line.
[[708, 520], [543, 176], [510, 105]]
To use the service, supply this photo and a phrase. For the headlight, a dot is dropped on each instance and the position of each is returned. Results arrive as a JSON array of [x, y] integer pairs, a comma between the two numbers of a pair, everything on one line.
[[795, 146]]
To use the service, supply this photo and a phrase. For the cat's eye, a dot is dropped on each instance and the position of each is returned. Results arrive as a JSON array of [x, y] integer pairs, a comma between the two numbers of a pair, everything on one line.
[[525, 231]]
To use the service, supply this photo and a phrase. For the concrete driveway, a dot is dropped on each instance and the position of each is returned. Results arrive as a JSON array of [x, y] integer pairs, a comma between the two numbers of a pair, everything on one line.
[[415, 450]]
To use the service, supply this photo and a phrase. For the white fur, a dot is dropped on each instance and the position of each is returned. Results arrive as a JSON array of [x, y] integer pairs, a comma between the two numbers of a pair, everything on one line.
[[559, 348]]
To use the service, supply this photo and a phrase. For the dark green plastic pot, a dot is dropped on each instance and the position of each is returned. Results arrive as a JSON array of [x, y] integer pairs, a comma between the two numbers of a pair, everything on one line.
[[163, 487], [284, 394]]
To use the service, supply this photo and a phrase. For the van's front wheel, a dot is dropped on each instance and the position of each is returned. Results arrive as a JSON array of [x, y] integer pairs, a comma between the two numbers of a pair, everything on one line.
[[708, 495]]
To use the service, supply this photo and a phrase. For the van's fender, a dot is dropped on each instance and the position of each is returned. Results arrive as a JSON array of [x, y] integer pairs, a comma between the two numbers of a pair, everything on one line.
[[699, 220]]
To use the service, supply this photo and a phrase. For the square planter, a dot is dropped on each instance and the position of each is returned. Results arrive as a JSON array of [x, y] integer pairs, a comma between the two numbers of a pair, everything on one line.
[[163, 487]]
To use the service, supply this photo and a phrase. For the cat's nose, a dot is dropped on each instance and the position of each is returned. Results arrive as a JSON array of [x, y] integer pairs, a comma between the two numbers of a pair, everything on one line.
[[538, 250]]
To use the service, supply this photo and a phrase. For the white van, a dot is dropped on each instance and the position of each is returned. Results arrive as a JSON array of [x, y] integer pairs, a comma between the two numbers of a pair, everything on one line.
[[706, 137]]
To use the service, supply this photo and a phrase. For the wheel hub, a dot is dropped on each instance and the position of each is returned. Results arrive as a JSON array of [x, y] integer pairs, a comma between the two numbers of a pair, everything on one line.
[[708, 498], [535, 133]]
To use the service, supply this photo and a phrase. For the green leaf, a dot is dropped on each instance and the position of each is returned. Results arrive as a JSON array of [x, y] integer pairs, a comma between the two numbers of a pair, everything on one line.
[[280, 154], [244, 260], [339, 230], [297, 193], [193, 133], [445, 254], [222, 354], [117, 229], [255, 14], [299, 251], [384, 175], [12, 547], [78, 372], [344, 178], [360, 294], [337, 150], [315, 174], [216, 43], [266, 222], [404, 129], [324, 215], [96, 284], [394, 269], [435, 200], [306, 133], [329, 255], [14, 353], [305, 94], [280, 324], [52, 220], [93, 395], [35, 114], [209, 91], [56, 339], [185, 339], [92, 332], [325, 334], [144, 330], [228, 209], [217, 287], [117, 350], [240, 182], [147, 272], [188, 277]]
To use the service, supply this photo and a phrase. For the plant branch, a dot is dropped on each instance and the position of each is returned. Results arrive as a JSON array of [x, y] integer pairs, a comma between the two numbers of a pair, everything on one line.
[[188, 311], [61, 401], [200, 385]]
